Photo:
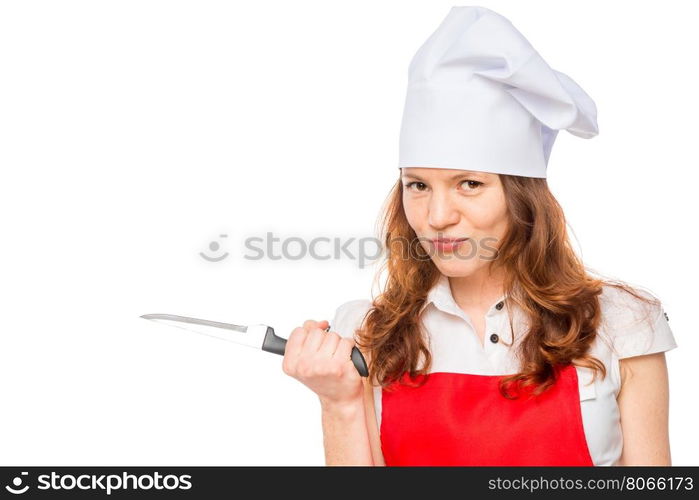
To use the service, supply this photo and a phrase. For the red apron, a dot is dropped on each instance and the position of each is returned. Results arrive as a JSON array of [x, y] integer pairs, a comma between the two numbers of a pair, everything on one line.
[[462, 419]]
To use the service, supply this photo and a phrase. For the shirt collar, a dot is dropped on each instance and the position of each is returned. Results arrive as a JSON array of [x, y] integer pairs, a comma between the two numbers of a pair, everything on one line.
[[440, 295]]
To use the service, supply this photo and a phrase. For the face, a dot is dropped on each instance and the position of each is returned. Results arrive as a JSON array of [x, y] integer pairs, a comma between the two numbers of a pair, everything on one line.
[[456, 204]]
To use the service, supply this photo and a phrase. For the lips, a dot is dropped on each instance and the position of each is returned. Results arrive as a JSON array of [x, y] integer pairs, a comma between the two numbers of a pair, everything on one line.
[[447, 244], [447, 240]]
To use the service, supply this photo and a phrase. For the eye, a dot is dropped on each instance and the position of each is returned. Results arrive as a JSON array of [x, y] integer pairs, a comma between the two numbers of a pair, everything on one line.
[[472, 185], [410, 184]]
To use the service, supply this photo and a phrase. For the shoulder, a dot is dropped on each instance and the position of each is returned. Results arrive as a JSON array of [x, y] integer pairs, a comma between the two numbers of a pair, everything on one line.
[[349, 316], [634, 325]]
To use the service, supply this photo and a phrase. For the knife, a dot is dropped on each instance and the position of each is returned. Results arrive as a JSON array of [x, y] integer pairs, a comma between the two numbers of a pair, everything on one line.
[[256, 336]]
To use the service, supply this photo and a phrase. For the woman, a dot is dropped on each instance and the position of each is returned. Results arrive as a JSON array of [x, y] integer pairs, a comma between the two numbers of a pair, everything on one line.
[[491, 343]]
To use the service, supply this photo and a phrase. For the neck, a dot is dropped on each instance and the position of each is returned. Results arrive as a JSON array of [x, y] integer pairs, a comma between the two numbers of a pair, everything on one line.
[[479, 289]]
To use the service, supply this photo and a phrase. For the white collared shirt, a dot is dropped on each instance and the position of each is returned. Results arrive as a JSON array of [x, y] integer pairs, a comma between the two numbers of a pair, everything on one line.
[[629, 328]]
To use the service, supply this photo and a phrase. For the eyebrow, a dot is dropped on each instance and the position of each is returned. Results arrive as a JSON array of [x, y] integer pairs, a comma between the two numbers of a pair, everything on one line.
[[452, 178]]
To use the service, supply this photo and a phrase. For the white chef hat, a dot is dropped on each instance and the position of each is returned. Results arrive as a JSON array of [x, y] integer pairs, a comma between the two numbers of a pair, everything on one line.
[[481, 98]]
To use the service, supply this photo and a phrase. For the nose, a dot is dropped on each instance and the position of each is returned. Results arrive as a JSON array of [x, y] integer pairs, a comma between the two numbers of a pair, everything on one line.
[[443, 212]]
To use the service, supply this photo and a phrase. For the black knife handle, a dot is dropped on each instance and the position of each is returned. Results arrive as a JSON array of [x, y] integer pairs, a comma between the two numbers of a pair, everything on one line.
[[277, 345]]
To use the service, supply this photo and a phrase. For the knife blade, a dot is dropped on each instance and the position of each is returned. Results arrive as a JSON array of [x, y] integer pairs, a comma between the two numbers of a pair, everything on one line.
[[255, 336]]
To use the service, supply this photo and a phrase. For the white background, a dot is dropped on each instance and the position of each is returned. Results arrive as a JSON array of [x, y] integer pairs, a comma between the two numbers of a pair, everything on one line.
[[134, 133]]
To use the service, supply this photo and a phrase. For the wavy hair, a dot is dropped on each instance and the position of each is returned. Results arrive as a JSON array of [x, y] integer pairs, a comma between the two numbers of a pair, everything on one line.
[[543, 276]]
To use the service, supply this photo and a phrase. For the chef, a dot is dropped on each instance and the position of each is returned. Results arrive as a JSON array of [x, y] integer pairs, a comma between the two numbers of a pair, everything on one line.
[[491, 343]]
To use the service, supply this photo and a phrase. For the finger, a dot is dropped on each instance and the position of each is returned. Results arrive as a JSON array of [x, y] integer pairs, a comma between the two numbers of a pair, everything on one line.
[[294, 344], [309, 324], [344, 349], [314, 338], [329, 345]]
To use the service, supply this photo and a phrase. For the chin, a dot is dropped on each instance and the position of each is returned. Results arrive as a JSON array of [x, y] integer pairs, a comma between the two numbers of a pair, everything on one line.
[[457, 267]]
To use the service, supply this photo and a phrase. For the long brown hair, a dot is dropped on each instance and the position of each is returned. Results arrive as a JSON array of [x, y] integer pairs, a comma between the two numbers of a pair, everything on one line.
[[543, 276]]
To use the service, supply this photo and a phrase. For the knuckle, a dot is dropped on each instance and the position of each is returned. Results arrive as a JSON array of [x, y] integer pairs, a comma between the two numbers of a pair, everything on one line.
[[309, 323], [297, 332], [331, 338], [321, 368], [317, 331], [304, 370]]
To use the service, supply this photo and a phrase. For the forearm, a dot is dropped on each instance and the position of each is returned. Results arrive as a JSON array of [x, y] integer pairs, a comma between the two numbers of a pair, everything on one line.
[[345, 435]]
